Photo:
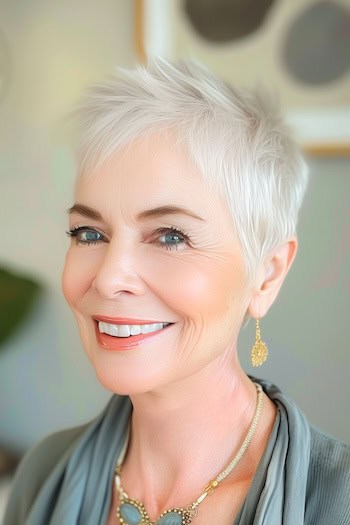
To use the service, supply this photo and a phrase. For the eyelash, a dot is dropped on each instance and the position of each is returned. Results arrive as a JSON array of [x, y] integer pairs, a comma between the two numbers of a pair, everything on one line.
[[73, 232]]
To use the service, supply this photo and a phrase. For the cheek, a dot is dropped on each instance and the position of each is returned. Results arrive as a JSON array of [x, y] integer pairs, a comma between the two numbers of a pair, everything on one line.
[[207, 287], [215, 290], [75, 277]]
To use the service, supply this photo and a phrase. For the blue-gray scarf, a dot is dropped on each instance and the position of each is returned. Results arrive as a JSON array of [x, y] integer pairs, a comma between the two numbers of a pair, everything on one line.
[[78, 490]]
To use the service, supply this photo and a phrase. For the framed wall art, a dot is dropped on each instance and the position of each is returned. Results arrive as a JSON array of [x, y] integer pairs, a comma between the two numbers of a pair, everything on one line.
[[301, 49]]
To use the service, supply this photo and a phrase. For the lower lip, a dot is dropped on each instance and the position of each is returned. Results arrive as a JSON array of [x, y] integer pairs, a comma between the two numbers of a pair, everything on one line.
[[125, 343]]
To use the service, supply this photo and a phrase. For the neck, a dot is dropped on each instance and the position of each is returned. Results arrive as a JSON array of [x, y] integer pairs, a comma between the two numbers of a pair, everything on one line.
[[185, 435]]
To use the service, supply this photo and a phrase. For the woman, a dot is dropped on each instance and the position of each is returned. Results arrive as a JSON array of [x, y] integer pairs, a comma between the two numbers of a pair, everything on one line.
[[183, 228]]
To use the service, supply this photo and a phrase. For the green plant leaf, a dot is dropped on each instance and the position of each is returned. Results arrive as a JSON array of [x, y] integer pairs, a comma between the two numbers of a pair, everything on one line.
[[17, 297]]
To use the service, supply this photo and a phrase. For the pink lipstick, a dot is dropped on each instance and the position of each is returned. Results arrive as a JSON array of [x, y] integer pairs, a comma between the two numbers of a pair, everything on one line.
[[125, 320], [109, 342]]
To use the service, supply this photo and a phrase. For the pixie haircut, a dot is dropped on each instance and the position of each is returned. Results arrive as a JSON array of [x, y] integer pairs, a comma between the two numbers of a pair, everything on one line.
[[235, 137]]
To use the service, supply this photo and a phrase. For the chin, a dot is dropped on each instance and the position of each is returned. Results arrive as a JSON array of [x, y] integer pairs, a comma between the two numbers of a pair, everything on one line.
[[126, 382]]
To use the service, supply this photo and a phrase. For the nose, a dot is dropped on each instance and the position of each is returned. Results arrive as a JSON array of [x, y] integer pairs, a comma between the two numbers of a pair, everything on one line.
[[116, 272]]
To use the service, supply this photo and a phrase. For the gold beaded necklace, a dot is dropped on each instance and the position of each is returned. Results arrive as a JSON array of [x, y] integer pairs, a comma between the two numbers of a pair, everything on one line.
[[133, 512]]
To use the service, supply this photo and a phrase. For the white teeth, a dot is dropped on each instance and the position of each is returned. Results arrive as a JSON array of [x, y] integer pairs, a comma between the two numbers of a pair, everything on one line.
[[127, 330], [120, 331], [147, 328], [135, 330], [113, 330]]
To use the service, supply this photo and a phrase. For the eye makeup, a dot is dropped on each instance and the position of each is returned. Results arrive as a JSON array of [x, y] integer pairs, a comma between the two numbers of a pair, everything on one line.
[[77, 232]]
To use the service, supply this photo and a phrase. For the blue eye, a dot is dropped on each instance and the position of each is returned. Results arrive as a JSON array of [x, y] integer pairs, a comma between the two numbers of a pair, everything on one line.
[[76, 232], [174, 233]]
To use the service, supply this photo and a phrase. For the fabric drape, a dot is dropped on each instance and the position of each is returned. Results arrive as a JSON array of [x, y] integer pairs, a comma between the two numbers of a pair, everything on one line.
[[78, 488]]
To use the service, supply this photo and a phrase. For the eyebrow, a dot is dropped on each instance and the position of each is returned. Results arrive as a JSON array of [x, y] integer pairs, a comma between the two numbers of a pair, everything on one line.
[[86, 211]]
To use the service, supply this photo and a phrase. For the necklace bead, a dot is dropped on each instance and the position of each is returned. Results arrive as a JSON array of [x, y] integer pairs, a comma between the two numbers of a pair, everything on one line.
[[171, 518], [130, 514]]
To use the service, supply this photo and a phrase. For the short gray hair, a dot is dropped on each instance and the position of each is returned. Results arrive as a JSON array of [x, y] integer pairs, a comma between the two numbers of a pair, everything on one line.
[[236, 138]]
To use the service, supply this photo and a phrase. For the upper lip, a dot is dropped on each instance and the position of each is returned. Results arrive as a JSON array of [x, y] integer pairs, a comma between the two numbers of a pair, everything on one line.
[[125, 320]]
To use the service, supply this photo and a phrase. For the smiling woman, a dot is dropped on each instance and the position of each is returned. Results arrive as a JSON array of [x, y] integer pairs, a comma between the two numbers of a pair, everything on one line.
[[184, 226], [194, 280]]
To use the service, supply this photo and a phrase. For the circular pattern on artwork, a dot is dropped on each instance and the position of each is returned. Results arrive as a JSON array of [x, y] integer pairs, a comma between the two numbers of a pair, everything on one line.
[[226, 20], [317, 45]]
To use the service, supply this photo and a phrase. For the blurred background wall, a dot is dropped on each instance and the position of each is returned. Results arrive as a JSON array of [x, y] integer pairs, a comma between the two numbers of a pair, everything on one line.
[[55, 50]]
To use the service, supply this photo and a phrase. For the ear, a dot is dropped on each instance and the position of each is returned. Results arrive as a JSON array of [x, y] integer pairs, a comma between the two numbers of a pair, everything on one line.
[[270, 277]]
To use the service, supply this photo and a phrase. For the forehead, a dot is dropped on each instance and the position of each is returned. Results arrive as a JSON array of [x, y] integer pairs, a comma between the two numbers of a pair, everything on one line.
[[149, 173], [152, 160]]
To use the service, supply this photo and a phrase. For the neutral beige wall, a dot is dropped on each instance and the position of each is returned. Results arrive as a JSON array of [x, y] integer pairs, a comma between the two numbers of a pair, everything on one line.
[[57, 49], [46, 382]]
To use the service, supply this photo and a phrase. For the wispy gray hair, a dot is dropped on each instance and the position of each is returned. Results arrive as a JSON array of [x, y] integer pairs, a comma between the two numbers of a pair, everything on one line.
[[235, 137]]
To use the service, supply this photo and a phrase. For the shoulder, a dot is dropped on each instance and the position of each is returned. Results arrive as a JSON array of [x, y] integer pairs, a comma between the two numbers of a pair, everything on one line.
[[328, 468], [43, 456], [329, 458], [328, 485], [45, 463], [33, 470]]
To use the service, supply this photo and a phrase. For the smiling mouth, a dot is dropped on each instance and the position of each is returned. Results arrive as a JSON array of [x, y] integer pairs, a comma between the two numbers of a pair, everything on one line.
[[125, 331], [111, 342]]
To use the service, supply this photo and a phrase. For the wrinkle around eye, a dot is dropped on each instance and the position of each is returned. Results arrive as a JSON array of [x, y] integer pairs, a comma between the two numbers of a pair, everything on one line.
[[149, 235]]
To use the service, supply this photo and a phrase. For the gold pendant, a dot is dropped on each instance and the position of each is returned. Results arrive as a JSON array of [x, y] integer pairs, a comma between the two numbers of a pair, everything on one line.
[[133, 512], [259, 353]]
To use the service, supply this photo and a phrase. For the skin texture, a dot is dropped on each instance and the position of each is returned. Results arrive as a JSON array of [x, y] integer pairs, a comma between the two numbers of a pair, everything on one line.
[[192, 402]]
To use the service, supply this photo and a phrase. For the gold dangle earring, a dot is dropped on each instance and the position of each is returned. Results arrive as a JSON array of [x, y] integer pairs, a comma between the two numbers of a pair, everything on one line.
[[259, 351]]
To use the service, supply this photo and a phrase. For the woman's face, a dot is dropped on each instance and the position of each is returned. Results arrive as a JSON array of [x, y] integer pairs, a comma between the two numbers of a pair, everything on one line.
[[197, 284]]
